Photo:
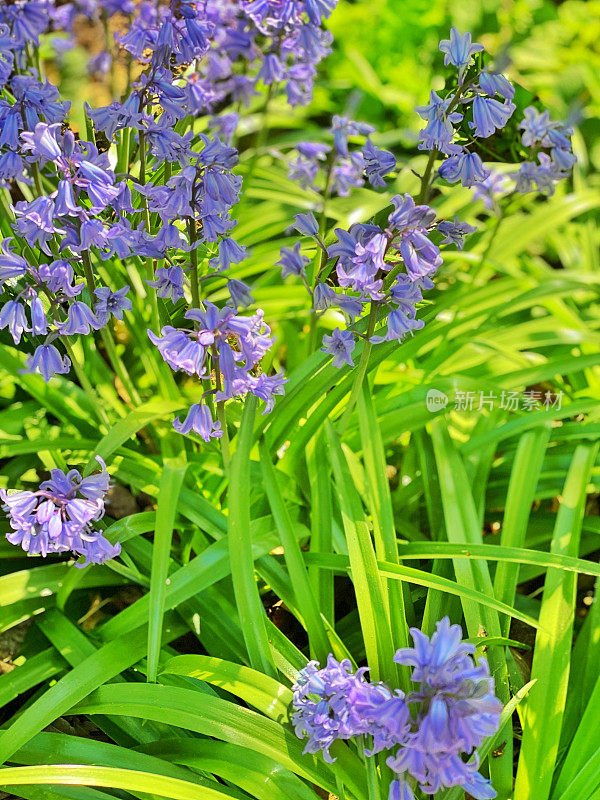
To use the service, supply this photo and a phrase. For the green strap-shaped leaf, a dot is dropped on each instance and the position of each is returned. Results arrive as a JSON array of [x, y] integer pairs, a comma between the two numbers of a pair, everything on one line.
[[249, 605], [372, 609], [543, 712], [213, 716], [124, 779], [168, 495]]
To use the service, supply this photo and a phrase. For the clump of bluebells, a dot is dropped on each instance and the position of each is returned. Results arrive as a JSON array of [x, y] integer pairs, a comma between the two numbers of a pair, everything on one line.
[[376, 272], [434, 729], [59, 517], [145, 188], [190, 58]]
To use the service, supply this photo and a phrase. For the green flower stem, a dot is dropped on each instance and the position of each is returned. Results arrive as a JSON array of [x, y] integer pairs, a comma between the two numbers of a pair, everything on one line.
[[146, 216], [224, 440], [194, 278], [426, 179], [361, 370], [35, 171], [372, 776]]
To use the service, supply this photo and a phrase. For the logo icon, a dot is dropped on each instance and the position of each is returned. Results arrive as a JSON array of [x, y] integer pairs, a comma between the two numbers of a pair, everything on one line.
[[436, 400]]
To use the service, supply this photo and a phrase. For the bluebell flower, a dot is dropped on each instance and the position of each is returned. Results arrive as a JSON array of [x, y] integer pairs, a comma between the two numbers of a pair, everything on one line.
[[41, 143], [342, 128], [490, 189], [455, 232], [459, 50], [541, 176], [80, 320], [292, 261], [114, 117], [359, 272], [495, 83], [64, 203], [39, 323], [100, 63], [347, 174], [12, 265], [467, 168], [378, 163], [12, 316], [235, 342], [60, 516], [321, 710], [48, 361], [313, 150], [110, 302], [306, 224], [399, 324], [239, 292], [230, 252], [535, 125], [304, 171], [340, 345], [324, 297], [407, 216], [455, 708], [317, 9], [271, 70], [267, 387], [169, 282], [420, 255], [349, 304], [563, 160], [58, 277], [439, 131], [12, 168], [225, 126], [200, 420], [168, 145], [35, 222], [180, 350], [489, 115], [400, 790], [376, 711]]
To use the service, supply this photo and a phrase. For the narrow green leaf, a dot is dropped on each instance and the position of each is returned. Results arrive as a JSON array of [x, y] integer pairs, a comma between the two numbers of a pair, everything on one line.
[[168, 495], [372, 610], [305, 600], [124, 779], [250, 608], [521, 492], [543, 713]]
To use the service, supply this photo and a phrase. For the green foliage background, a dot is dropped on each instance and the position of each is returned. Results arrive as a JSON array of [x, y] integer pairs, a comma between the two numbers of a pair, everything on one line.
[[489, 517]]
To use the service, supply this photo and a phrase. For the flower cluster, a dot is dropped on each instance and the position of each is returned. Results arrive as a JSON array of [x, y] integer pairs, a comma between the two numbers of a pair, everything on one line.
[[450, 712], [59, 516], [386, 270], [489, 96], [478, 108], [336, 170], [551, 143], [175, 208], [233, 345], [43, 300]]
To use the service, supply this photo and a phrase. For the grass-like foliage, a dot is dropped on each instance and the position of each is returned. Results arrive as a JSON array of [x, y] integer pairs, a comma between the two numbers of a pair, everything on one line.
[[299, 401]]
